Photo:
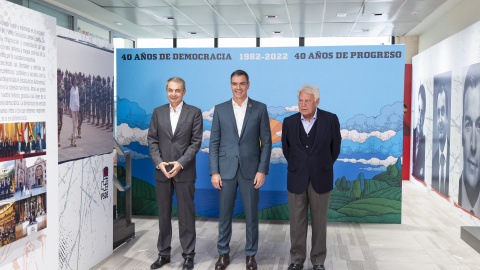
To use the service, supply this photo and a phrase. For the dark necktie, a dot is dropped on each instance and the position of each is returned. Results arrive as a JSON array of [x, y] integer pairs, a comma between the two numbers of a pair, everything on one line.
[[442, 176]]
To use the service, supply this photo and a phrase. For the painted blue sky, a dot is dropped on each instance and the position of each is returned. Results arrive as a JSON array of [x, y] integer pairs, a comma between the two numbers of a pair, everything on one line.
[[348, 87]]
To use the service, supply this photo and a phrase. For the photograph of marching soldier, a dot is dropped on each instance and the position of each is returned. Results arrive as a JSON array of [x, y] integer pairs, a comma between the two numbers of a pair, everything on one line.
[[87, 128]]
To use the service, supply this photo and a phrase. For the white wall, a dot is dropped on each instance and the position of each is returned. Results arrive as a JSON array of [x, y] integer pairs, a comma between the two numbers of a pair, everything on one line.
[[459, 15]]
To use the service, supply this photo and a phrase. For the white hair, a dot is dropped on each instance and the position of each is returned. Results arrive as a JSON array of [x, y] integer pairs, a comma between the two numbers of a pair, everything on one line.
[[310, 89]]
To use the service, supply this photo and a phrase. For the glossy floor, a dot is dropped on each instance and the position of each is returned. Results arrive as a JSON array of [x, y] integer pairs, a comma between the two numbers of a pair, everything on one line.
[[428, 238]]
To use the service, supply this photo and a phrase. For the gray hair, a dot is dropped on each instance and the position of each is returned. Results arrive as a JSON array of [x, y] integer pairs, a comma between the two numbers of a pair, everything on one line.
[[177, 80], [310, 89]]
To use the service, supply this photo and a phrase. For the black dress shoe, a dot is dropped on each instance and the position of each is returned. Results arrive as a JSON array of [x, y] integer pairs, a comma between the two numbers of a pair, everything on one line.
[[223, 262], [188, 264], [294, 266], [251, 264], [161, 261], [318, 267]]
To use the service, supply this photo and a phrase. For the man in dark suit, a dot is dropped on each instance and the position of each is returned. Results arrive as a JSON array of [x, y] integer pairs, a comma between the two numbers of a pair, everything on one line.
[[20, 145], [311, 143], [40, 144], [418, 169], [239, 156], [174, 138], [30, 145], [469, 185], [441, 159]]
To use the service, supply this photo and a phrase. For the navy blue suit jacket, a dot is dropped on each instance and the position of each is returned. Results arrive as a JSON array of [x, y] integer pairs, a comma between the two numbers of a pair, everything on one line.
[[316, 166]]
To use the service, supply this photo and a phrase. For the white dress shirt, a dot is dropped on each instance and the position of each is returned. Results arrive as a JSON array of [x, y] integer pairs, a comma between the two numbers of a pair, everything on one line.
[[175, 115], [239, 112], [307, 125]]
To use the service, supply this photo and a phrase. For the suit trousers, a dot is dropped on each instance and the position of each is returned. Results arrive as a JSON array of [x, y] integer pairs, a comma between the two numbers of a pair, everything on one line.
[[298, 207], [186, 216], [227, 196]]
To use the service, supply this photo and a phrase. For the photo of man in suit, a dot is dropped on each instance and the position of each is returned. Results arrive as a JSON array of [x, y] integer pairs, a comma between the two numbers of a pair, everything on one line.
[[441, 158], [20, 145], [40, 144], [239, 157], [30, 145], [419, 137], [174, 138], [311, 142], [469, 186]]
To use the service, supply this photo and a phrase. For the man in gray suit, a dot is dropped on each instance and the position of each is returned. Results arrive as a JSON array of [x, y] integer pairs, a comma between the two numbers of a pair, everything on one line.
[[239, 156], [174, 138]]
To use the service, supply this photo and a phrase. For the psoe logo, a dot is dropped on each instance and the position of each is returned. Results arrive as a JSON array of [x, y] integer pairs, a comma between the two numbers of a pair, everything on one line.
[[104, 191]]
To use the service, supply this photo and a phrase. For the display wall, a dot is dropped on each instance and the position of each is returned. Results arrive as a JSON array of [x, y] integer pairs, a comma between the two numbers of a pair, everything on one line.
[[28, 155], [448, 74], [85, 172], [363, 85]]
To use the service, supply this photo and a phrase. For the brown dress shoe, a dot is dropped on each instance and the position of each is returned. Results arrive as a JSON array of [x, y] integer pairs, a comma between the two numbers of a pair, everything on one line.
[[251, 263], [223, 262]]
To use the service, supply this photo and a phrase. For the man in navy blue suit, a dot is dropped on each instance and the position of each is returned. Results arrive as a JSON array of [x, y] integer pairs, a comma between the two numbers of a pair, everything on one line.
[[239, 156], [311, 143]]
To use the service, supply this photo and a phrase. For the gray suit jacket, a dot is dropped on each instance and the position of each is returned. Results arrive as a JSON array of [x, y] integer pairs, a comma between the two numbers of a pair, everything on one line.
[[181, 146], [251, 151]]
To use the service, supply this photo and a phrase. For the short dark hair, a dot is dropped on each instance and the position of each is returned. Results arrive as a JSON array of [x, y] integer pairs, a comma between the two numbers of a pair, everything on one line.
[[239, 72], [471, 79], [177, 80], [442, 89], [421, 92]]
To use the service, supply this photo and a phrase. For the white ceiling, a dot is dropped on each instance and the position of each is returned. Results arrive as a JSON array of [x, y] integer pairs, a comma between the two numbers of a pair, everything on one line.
[[247, 18]]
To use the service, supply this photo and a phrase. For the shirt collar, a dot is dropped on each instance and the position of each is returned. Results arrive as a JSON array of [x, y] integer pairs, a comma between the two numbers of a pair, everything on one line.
[[244, 104], [313, 118], [179, 107]]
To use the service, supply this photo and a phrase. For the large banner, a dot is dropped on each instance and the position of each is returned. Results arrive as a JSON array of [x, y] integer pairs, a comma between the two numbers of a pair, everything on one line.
[[363, 85], [446, 121], [28, 156]]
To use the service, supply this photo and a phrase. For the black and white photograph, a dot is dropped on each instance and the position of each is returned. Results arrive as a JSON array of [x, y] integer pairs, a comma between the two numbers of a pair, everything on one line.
[[469, 183], [418, 155], [441, 132]]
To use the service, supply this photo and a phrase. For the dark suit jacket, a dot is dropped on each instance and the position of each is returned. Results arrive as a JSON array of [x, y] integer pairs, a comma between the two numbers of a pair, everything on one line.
[[37, 146], [22, 146], [418, 159], [251, 150], [436, 170], [182, 146], [28, 146], [318, 165]]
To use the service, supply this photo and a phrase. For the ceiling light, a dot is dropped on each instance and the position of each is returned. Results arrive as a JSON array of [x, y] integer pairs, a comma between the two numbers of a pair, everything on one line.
[[415, 13], [192, 33], [271, 16], [341, 15], [118, 23], [277, 32]]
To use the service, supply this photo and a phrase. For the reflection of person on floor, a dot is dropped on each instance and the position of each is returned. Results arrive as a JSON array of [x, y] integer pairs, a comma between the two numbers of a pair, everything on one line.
[[74, 108]]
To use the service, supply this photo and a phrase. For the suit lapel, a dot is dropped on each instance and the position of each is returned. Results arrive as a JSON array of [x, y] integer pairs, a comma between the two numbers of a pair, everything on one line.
[[247, 114], [166, 119], [232, 116], [181, 119]]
